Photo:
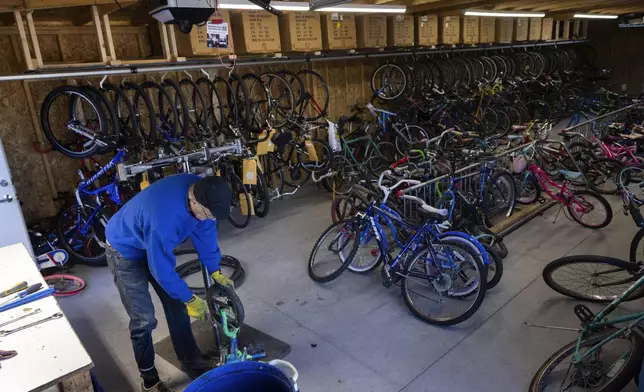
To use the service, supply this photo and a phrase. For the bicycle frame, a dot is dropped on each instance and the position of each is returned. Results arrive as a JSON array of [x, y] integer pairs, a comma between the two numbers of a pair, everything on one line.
[[564, 196], [600, 321]]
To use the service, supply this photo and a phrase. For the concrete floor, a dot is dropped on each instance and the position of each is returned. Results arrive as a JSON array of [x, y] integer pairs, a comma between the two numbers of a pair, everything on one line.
[[354, 335]]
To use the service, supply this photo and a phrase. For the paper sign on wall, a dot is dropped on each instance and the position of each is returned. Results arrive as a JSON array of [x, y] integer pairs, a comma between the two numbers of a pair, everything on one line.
[[217, 34]]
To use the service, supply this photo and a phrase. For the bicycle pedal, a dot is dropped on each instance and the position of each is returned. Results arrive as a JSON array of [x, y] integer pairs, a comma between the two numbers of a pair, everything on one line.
[[387, 281], [583, 313], [541, 200]]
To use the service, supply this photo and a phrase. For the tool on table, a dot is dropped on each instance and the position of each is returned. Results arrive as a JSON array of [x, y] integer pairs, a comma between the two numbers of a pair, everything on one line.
[[27, 299], [29, 290], [13, 289], [20, 318], [6, 354], [52, 317]]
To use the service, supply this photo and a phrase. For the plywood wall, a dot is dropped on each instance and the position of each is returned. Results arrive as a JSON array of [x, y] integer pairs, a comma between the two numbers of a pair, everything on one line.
[[348, 82], [620, 50]]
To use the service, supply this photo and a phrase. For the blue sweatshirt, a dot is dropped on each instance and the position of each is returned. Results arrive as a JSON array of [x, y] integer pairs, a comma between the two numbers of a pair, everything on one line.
[[157, 220]]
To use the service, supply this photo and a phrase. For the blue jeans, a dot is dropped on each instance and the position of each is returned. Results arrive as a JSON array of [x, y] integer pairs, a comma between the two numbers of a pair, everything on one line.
[[131, 279]]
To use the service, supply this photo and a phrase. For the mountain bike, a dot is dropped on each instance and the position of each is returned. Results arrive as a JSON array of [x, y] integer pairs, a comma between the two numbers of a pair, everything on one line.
[[84, 219], [440, 267]]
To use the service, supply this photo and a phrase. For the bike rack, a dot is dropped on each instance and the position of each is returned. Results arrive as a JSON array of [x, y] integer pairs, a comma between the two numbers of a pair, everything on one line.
[[127, 171]]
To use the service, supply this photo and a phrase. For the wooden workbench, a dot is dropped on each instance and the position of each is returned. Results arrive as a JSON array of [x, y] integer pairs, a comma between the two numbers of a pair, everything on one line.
[[49, 353]]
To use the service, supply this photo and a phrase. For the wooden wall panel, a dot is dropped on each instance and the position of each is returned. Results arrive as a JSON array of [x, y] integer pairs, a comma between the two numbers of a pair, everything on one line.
[[620, 50]]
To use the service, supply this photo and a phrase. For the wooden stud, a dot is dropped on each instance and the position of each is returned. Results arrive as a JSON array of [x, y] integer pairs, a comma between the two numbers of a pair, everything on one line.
[[39, 137], [139, 38], [99, 34], [23, 40], [584, 29], [174, 52], [110, 40], [61, 47], [566, 29], [576, 29], [34, 38], [165, 46]]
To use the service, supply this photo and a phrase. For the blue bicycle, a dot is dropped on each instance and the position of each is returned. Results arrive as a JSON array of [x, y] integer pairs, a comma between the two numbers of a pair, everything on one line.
[[80, 224], [442, 281]]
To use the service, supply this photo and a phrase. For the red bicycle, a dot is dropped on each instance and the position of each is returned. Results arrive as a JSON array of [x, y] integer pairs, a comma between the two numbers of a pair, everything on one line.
[[588, 208]]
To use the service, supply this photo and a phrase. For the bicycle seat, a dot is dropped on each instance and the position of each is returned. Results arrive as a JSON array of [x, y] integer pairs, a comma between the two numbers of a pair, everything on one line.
[[570, 175]]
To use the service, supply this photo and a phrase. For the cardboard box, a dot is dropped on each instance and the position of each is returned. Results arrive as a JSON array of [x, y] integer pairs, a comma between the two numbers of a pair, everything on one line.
[[400, 30], [427, 30], [256, 32], [546, 29], [213, 38], [521, 29], [470, 31], [486, 30], [371, 31], [504, 30], [300, 32], [534, 33], [450, 30], [338, 31]]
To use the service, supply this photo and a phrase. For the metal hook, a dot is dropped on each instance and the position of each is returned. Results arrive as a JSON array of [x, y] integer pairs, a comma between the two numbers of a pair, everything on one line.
[[163, 76], [100, 84], [187, 73], [154, 80], [205, 73]]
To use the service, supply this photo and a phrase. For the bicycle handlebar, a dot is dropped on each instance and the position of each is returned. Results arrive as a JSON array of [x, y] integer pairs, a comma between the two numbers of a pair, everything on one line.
[[388, 190], [438, 211]]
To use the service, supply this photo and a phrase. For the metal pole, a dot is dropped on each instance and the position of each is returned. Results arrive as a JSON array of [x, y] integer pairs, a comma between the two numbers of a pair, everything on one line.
[[197, 65]]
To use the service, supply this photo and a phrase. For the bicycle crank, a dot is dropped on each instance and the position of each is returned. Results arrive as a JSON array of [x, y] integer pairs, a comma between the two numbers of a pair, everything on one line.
[[52, 317]]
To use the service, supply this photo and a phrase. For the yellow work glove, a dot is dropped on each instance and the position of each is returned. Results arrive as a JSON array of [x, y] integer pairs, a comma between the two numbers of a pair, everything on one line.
[[196, 308], [222, 279]]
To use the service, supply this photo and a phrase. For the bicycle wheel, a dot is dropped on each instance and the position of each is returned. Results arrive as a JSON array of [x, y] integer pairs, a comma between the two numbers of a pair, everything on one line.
[[368, 256], [125, 114], [197, 109], [261, 196], [316, 96], [343, 240], [165, 114], [318, 161], [603, 175], [388, 81], [179, 101], [273, 174], [407, 137], [381, 157], [608, 369], [83, 240], [528, 188], [495, 268], [230, 267], [590, 209], [282, 102], [239, 214], [144, 111], [258, 104], [224, 299], [499, 198], [449, 273], [592, 278], [79, 133]]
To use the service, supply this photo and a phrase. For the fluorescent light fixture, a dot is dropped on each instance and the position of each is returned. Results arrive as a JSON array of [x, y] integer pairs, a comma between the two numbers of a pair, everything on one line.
[[280, 5], [595, 16], [367, 8], [506, 14]]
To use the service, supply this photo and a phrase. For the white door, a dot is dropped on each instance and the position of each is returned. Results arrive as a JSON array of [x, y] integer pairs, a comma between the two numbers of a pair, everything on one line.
[[13, 229]]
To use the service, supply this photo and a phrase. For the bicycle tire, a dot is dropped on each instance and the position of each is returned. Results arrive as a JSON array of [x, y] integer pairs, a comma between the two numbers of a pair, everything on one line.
[[496, 266], [129, 130], [382, 88], [194, 266], [238, 189], [261, 196], [112, 118], [602, 201], [407, 137], [312, 92], [296, 84], [258, 102], [506, 178], [166, 123], [224, 298], [346, 225], [214, 113], [99, 260], [59, 145], [282, 108], [532, 183], [478, 300], [198, 121], [180, 103], [624, 372], [632, 253], [603, 175], [139, 94], [617, 265], [317, 166]]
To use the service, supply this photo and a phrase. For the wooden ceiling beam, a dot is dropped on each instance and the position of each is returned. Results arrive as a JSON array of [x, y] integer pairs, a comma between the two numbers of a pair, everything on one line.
[[17, 5], [512, 4], [557, 6]]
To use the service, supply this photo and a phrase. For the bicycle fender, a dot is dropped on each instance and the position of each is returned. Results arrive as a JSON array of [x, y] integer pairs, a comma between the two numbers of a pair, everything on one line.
[[474, 243]]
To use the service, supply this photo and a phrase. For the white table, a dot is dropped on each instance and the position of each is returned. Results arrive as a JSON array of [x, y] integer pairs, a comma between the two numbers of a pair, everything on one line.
[[47, 353]]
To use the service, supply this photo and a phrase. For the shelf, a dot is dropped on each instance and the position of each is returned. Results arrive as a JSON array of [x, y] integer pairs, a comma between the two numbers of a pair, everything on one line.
[[174, 66]]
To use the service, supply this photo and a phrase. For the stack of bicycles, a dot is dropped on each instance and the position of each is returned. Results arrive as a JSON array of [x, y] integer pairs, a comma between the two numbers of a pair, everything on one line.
[[205, 125]]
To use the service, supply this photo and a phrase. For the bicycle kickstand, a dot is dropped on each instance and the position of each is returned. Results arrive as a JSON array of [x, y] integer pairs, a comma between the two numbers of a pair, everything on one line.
[[558, 212]]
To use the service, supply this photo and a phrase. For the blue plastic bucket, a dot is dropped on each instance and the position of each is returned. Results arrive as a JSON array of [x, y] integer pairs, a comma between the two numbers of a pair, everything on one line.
[[242, 377]]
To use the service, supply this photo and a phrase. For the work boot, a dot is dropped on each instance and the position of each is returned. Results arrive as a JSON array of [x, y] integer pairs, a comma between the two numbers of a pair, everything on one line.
[[158, 387]]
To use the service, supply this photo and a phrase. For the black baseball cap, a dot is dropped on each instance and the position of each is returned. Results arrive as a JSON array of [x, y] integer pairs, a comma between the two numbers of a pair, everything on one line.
[[214, 193]]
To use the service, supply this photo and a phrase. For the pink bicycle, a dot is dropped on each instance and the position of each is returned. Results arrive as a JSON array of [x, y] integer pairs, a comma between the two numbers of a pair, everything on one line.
[[611, 148], [588, 208]]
